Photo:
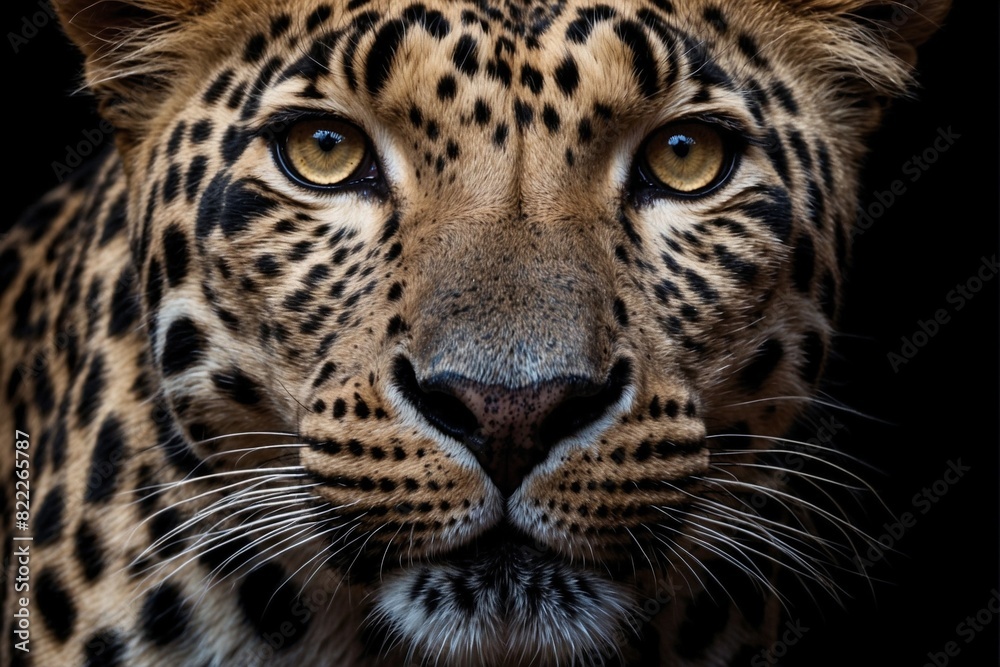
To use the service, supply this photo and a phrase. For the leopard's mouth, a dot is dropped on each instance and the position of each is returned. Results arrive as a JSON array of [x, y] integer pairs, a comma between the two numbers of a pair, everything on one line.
[[505, 594]]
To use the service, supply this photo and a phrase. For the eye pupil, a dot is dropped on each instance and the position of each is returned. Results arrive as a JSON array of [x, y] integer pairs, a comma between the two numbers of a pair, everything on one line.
[[681, 145], [326, 141]]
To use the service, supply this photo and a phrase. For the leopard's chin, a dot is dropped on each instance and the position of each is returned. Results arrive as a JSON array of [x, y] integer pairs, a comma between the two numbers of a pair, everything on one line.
[[502, 601]]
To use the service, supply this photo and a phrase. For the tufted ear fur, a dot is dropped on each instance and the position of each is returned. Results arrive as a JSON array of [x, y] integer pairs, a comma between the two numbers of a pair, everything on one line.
[[902, 25], [135, 51]]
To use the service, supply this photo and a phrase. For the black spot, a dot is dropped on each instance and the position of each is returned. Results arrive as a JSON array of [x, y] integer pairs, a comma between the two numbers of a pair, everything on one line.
[[584, 130], [381, 55], [801, 149], [481, 113], [532, 79], [237, 386], [104, 648], [165, 616], [416, 117], [775, 211], [241, 206], [317, 17], [621, 313], [184, 346], [211, 205], [395, 292], [567, 76], [499, 69], [452, 150], [500, 135], [750, 49], [432, 21], [465, 56], [88, 551], [106, 462], [804, 263], [55, 605], [446, 88], [218, 87], [176, 137], [255, 48], [163, 531], [124, 304], [114, 223], [49, 518], [716, 19], [171, 184], [433, 131], [154, 290], [785, 97], [339, 408], [765, 360], [268, 602], [280, 25], [813, 352], [826, 168], [91, 392], [524, 114], [700, 286], [579, 30], [817, 204], [192, 180], [629, 229], [551, 118], [44, 396], [361, 408], [643, 63], [743, 270], [175, 251], [776, 151]]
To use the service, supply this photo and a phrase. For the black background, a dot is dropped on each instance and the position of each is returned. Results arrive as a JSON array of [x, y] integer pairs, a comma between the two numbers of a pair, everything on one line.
[[940, 406]]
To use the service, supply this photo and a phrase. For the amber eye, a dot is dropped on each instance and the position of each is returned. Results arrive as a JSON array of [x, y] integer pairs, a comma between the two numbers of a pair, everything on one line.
[[687, 159], [325, 153]]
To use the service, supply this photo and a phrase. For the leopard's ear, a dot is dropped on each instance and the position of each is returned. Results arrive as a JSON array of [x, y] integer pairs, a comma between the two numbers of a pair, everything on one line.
[[134, 50], [902, 25]]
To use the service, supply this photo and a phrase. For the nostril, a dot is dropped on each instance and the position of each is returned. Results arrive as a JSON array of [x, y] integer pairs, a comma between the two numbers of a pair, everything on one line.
[[443, 411], [577, 412], [509, 430]]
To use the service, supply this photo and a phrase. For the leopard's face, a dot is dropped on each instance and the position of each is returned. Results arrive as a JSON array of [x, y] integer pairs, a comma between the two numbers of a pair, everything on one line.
[[519, 290]]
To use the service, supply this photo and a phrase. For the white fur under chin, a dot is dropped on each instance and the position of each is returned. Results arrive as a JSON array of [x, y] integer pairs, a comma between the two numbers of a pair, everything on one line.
[[512, 608]]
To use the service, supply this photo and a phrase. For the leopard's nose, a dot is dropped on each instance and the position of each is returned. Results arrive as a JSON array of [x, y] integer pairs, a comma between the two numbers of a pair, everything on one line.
[[510, 429]]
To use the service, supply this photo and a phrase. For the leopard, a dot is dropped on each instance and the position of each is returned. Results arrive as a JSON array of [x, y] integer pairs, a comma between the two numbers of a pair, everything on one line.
[[436, 332]]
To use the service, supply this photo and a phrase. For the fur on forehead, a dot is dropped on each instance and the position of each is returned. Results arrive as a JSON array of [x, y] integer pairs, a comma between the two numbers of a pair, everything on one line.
[[139, 52]]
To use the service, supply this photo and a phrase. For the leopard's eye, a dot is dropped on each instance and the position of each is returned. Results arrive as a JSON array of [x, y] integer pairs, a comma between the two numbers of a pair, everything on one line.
[[326, 152], [687, 159]]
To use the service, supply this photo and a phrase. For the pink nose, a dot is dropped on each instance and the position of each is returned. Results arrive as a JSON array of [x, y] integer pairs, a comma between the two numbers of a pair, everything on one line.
[[510, 430]]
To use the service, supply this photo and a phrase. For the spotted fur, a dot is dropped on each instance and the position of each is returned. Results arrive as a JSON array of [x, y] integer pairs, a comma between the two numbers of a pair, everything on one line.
[[499, 406]]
